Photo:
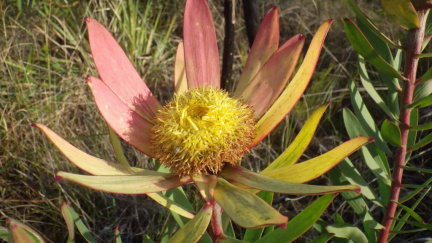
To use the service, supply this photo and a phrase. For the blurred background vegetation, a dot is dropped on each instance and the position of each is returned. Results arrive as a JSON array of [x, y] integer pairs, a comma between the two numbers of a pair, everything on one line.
[[44, 58]]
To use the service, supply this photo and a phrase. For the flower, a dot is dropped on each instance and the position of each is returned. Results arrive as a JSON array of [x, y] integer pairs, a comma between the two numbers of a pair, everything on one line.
[[202, 133]]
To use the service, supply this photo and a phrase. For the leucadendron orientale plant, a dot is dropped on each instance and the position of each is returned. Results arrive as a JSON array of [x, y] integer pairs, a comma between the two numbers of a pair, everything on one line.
[[387, 204], [201, 134]]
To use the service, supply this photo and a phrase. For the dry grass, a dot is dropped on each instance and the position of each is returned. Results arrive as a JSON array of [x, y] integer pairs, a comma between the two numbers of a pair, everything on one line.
[[44, 59]]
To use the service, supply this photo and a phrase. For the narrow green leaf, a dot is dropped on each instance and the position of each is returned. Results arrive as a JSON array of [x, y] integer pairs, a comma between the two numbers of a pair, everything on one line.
[[364, 117], [117, 235], [411, 212], [391, 132], [147, 239], [423, 89], [367, 84], [353, 176], [246, 209], [369, 24], [227, 239], [174, 207], [402, 220], [402, 12], [413, 193], [423, 142], [425, 102], [4, 234], [300, 143], [419, 225], [371, 157], [264, 183], [422, 170], [195, 228], [322, 238], [364, 48], [347, 231], [422, 127], [300, 223], [72, 218], [127, 184], [115, 142]]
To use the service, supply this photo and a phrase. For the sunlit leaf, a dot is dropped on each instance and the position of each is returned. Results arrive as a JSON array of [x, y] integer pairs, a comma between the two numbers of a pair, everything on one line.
[[313, 168], [300, 143], [347, 231], [295, 88], [246, 209], [180, 82], [117, 235], [171, 205], [206, 185], [300, 223], [391, 132], [364, 48], [127, 184], [252, 235], [195, 228], [322, 238], [254, 180], [72, 219], [402, 12], [19, 232]]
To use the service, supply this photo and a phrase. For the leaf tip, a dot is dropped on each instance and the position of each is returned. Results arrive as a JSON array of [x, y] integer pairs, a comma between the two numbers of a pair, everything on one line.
[[87, 19], [330, 21], [301, 37], [88, 79], [358, 190], [33, 124], [58, 178], [283, 225], [371, 140]]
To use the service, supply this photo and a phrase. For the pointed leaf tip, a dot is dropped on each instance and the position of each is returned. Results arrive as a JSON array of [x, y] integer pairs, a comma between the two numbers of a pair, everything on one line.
[[88, 79], [330, 21], [283, 226], [58, 178], [33, 124], [87, 19], [371, 140], [328, 102]]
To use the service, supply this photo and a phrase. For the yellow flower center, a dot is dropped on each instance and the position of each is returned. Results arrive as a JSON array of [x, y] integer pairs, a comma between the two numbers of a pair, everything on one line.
[[197, 132]]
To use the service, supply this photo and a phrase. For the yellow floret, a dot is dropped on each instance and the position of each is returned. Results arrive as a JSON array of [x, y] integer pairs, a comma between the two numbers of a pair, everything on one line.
[[200, 130]]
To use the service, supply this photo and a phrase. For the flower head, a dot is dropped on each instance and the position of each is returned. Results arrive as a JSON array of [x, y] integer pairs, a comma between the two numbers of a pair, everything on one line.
[[203, 132]]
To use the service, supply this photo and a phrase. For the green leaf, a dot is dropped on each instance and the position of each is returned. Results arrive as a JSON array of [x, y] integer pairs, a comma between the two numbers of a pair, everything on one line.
[[402, 220], [423, 142], [323, 238], [300, 223], [72, 219], [411, 212], [4, 234], [19, 232], [391, 132], [227, 239], [367, 84], [422, 127], [423, 89], [115, 142], [254, 180], [361, 17], [252, 235], [129, 184], [402, 12], [195, 228], [353, 176], [147, 239], [246, 209], [300, 143], [364, 117], [313, 168], [347, 231], [364, 48], [425, 102], [117, 235]]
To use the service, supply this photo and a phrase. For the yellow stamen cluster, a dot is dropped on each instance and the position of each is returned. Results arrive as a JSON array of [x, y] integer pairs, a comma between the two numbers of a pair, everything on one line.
[[200, 130]]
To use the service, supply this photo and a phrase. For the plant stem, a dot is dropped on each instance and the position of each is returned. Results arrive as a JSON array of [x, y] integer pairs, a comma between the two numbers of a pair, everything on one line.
[[413, 49], [216, 222]]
